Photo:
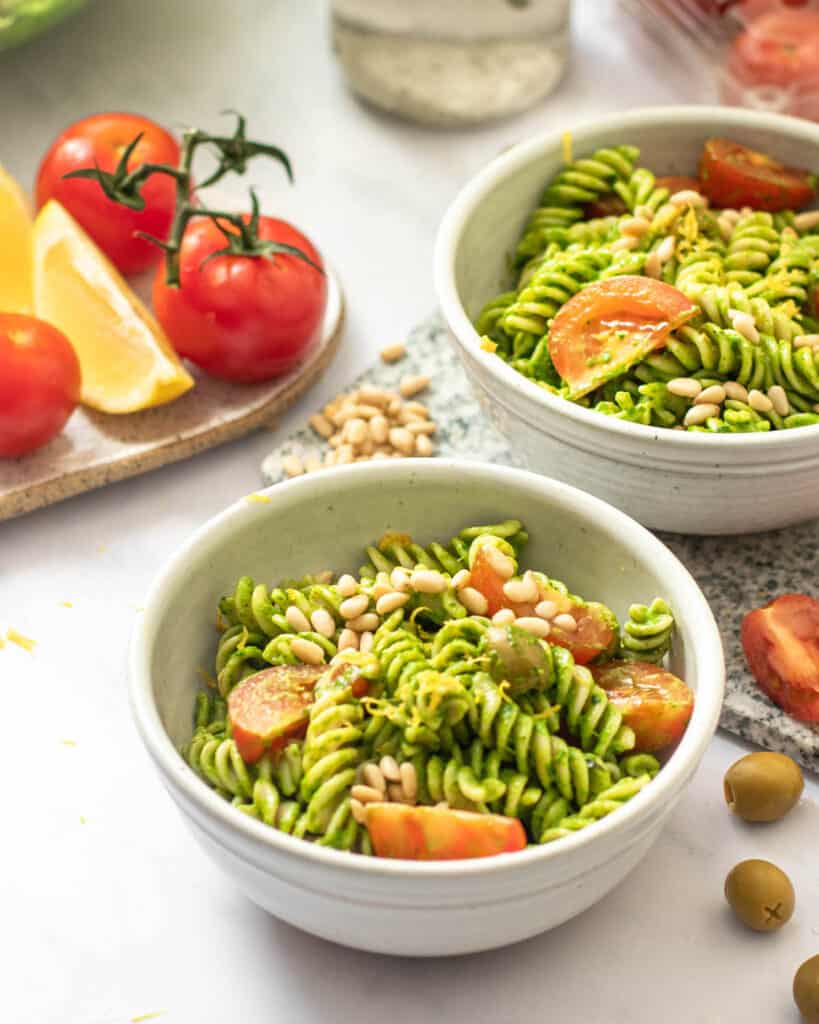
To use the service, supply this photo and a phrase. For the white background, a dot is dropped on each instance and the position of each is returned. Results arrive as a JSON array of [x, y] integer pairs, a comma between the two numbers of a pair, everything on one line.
[[109, 910]]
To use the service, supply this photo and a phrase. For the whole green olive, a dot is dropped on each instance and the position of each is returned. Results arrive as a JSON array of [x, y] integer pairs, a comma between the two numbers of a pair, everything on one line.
[[806, 990], [760, 894], [763, 786]]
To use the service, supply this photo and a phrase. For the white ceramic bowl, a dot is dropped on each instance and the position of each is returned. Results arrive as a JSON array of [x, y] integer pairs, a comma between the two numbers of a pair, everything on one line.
[[323, 521], [671, 480]]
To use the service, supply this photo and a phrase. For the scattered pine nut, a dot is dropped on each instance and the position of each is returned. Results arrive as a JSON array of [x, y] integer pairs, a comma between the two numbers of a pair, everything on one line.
[[806, 341], [312, 463], [428, 581], [473, 600], [698, 414], [348, 639], [322, 426], [353, 607], [423, 446], [625, 242], [523, 591], [758, 401], [461, 579], [413, 385], [400, 578], [715, 395], [347, 585], [535, 625], [806, 221], [306, 651], [389, 768], [566, 622], [409, 780], [365, 642], [392, 353], [500, 563], [735, 391], [779, 399], [390, 602], [322, 622], [685, 387], [636, 226], [745, 324], [688, 197], [292, 465], [402, 440], [652, 266], [665, 250], [373, 778], [359, 811], [546, 609], [297, 620], [366, 794]]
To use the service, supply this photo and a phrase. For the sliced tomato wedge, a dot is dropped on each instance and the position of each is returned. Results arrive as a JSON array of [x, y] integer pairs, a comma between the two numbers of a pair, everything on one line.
[[679, 183], [781, 644], [439, 833], [596, 631], [612, 324], [734, 176], [269, 708], [656, 704]]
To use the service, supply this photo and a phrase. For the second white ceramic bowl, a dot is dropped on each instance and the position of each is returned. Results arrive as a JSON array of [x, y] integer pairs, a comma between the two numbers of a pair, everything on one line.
[[323, 521], [669, 480]]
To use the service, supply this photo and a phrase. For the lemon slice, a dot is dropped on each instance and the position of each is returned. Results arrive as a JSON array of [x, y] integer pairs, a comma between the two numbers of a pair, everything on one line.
[[126, 360], [15, 247]]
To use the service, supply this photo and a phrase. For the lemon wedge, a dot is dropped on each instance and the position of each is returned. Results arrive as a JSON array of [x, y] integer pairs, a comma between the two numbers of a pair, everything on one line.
[[15, 247], [126, 360]]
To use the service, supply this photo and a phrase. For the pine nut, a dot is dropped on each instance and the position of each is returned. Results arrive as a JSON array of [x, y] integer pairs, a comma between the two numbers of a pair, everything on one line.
[[461, 579], [725, 227], [698, 414], [758, 401], [645, 211], [688, 197], [652, 266], [428, 581], [685, 387], [335, 441], [413, 385], [312, 463], [373, 777], [806, 221], [566, 622], [624, 243], [534, 625], [421, 427], [307, 651], [389, 768], [731, 214], [715, 395], [406, 416], [473, 600], [392, 353], [323, 622], [400, 578], [374, 396], [546, 609], [806, 341], [423, 446], [665, 250], [402, 440], [330, 459], [503, 617], [345, 454], [364, 623], [395, 792], [380, 589], [394, 407], [366, 794], [379, 429], [322, 426], [744, 323], [297, 620], [416, 409], [357, 431], [348, 640], [292, 465], [354, 606], [522, 591], [500, 563], [389, 602], [358, 811], [347, 585], [365, 642], [636, 226], [409, 780], [779, 398], [735, 391]]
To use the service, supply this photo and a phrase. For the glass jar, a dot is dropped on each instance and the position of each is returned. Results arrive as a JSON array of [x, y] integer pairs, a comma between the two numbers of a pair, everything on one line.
[[452, 62]]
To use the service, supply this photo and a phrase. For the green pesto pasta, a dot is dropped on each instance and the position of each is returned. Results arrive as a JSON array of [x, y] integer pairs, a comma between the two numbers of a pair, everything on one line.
[[427, 690], [752, 343]]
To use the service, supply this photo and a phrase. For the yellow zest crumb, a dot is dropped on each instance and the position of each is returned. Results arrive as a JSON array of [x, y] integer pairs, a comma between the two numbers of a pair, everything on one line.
[[690, 228], [259, 499], [102, 548], [566, 143], [488, 345], [69, 743], [147, 1016], [2, 641], [25, 642], [66, 604], [83, 819]]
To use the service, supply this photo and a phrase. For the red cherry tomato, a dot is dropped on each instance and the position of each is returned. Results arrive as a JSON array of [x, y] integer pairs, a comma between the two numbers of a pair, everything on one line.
[[679, 183], [654, 703], [101, 140], [39, 383], [242, 318], [734, 176], [596, 631], [438, 833], [781, 643], [612, 324], [271, 707]]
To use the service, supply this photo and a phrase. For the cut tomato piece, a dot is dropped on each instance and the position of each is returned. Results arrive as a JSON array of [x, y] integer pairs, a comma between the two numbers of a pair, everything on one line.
[[656, 704], [781, 643], [483, 577], [733, 176], [612, 324], [271, 707], [439, 833], [679, 183]]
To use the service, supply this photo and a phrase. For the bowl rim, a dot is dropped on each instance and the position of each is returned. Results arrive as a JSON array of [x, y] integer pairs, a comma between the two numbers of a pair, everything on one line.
[[472, 194], [707, 657]]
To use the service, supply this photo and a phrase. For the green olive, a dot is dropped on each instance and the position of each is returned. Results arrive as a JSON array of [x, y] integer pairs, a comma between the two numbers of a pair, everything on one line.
[[763, 786], [806, 990], [760, 894]]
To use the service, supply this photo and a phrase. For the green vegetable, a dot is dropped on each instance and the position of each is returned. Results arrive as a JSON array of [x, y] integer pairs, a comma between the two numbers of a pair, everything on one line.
[[23, 19]]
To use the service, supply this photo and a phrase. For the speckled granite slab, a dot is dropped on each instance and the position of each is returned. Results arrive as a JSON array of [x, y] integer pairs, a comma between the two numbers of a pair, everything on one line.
[[735, 573]]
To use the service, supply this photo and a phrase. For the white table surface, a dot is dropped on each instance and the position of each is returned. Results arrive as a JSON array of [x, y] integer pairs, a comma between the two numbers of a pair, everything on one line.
[[109, 910]]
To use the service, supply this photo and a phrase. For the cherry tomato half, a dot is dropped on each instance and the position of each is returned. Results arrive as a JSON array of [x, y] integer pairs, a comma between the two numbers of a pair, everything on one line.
[[242, 318], [101, 140], [39, 383], [781, 643], [612, 324], [439, 833], [654, 703], [735, 176], [271, 707]]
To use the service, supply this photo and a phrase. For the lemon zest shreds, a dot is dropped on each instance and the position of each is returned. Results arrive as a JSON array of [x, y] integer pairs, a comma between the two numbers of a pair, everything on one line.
[[152, 1015], [69, 743], [66, 604], [690, 227], [566, 143], [259, 499], [18, 638], [488, 345]]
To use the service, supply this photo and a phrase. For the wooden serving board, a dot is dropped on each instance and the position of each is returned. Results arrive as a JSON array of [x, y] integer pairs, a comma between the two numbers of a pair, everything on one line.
[[96, 449]]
